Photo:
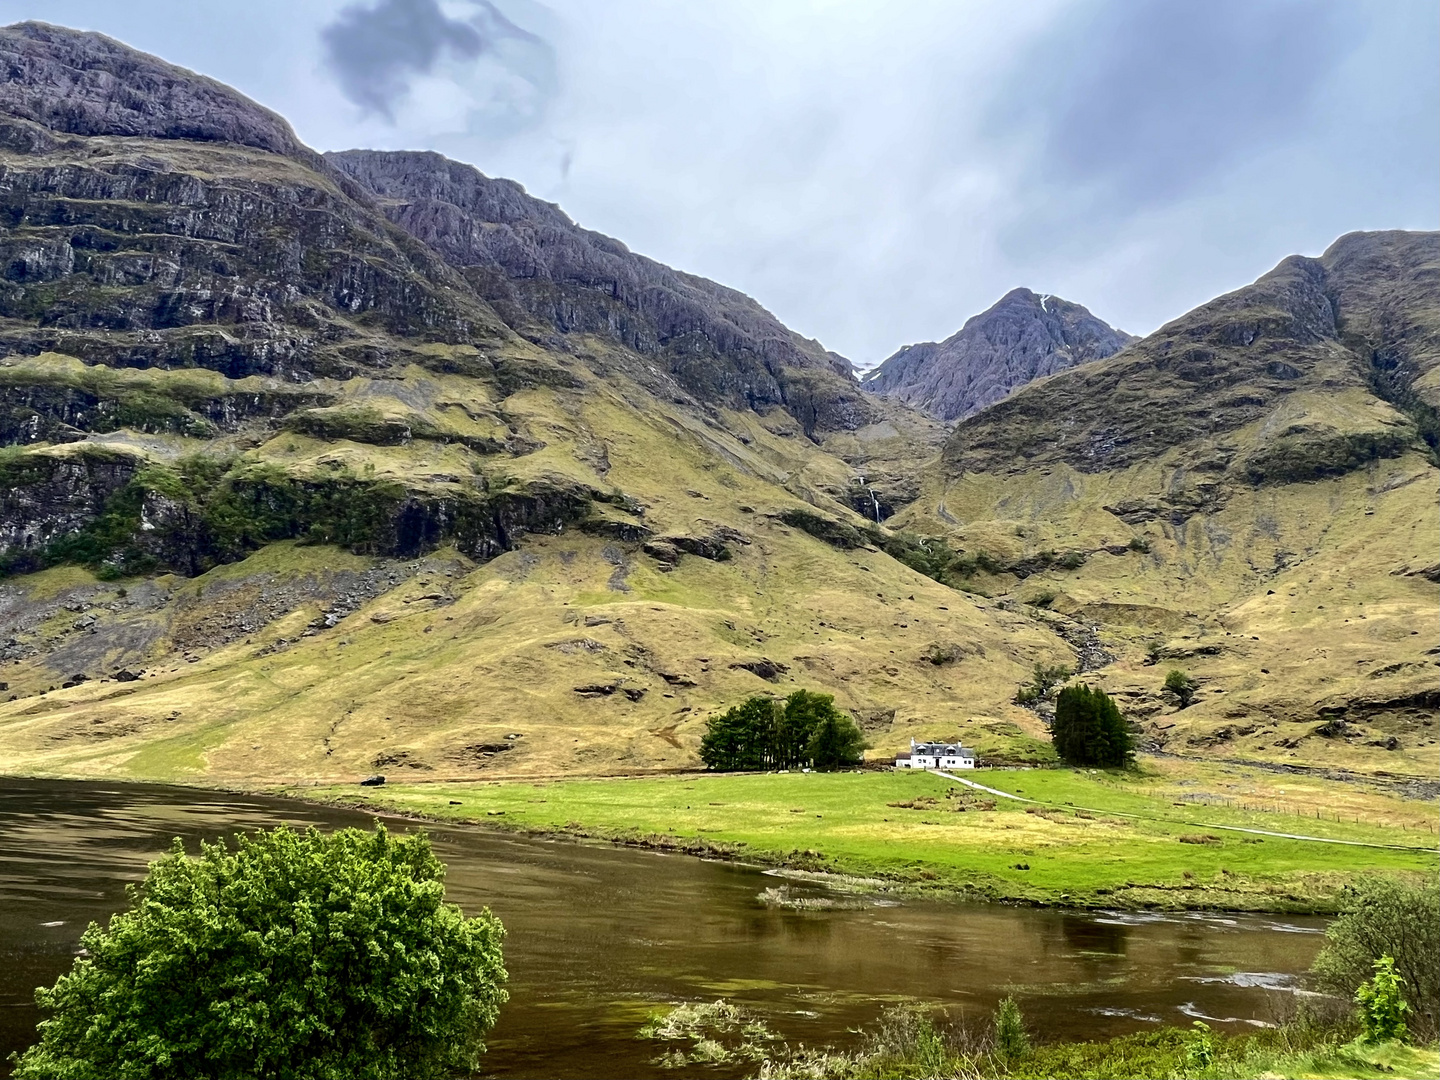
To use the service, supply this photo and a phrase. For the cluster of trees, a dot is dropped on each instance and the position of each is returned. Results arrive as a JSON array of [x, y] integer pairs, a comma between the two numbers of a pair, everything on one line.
[[765, 733], [296, 954], [1089, 730]]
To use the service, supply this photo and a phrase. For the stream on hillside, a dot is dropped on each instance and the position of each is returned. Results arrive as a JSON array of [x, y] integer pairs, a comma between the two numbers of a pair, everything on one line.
[[598, 937]]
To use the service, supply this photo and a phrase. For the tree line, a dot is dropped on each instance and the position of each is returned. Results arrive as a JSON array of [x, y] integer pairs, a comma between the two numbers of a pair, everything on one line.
[[804, 730]]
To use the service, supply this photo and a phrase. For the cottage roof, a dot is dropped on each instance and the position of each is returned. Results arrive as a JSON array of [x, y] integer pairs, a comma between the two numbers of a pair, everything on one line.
[[937, 749]]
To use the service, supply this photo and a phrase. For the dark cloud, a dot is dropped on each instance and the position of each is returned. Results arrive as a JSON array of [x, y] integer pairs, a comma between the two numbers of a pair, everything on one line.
[[375, 53], [1145, 99]]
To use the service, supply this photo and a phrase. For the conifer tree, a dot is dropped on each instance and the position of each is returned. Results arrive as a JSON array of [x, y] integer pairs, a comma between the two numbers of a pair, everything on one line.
[[1089, 729]]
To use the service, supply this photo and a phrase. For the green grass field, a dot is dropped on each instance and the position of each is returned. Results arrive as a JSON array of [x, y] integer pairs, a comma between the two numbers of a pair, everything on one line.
[[922, 832]]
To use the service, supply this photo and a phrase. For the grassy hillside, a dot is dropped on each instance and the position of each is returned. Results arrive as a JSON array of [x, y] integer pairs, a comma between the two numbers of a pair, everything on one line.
[[1248, 495], [598, 653], [1294, 607]]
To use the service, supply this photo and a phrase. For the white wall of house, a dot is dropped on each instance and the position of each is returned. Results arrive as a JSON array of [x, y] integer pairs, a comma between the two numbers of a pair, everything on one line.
[[957, 763]]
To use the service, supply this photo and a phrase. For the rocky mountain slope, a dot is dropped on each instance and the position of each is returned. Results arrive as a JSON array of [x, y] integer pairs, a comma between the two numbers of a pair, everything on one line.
[[317, 466], [1021, 338], [1248, 494], [293, 488], [545, 274]]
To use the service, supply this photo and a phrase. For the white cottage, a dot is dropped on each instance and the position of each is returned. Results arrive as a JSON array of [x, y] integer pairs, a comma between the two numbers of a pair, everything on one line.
[[934, 755]]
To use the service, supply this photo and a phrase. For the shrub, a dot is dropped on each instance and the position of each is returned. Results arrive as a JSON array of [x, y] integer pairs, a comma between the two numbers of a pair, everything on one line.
[[1182, 686], [1383, 917], [1089, 729], [1200, 1047], [1011, 1040], [1382, 1006], [296, 954], [1140, 544], [1043, 679], [988, 563]]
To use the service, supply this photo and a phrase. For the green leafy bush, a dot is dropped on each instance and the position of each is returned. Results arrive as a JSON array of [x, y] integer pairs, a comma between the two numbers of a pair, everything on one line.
[[1044, 679], [296, 954], [1182, 686], [1200, 1047], [1382, 1005], [1011, 1040], [1387, 917]]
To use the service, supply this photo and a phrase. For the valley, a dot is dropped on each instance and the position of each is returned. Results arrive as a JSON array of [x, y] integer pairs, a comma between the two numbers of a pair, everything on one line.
[[379, 544], [319, 466]]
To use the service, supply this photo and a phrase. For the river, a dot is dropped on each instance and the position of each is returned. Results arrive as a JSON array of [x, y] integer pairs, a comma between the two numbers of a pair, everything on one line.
[[599, 936]]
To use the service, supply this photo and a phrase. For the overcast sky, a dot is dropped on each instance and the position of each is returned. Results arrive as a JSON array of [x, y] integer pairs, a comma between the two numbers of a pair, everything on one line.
[[875, 172]]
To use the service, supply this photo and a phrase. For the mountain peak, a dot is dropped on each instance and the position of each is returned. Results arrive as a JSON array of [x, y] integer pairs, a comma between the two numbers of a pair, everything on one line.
[[78, 82], [1023, 336]]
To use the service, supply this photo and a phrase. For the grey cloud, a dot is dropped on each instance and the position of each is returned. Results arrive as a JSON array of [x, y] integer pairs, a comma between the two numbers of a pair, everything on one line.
[[375, 52], [1145, 99]]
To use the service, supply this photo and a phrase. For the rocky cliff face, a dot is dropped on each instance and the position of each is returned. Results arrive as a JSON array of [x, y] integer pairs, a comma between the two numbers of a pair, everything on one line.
[[548, 276], [90, 84], [1023, 337], [175, 265]]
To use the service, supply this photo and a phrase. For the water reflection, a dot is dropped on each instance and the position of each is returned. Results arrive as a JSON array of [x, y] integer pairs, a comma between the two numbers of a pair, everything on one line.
[[1088, 936], [598, 937]]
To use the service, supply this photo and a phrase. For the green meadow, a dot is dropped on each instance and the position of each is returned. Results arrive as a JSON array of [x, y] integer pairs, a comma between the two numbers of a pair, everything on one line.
[[1101, 839]]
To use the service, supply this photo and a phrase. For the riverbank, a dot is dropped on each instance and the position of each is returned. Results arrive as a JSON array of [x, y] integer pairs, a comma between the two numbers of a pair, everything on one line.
[[1087, 839], [916, 1042]]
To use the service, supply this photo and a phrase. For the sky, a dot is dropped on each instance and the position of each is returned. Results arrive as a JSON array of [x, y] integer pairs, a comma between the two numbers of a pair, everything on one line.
[[875, 172]]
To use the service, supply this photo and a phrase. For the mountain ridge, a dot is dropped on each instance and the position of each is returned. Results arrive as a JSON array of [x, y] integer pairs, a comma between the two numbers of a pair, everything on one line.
[[1021, 337], [316, 466]]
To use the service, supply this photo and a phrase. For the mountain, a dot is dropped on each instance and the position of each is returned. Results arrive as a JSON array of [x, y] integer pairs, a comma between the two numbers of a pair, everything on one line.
[[1320, 366], [545, 274], [314, 466], [1021, 338], [318, 465], [1249, 494]]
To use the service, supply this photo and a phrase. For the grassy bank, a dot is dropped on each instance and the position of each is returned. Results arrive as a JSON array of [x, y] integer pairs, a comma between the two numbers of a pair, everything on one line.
[[912, 1042], [1093, 839], [1162, 1055]]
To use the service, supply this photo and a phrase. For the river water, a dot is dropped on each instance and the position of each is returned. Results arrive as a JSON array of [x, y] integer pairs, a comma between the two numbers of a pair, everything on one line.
[[599, 937]]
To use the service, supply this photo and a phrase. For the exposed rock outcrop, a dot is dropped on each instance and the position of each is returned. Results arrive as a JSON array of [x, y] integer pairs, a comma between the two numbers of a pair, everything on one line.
[[89, 84], [1021, 338], [545, 274]]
